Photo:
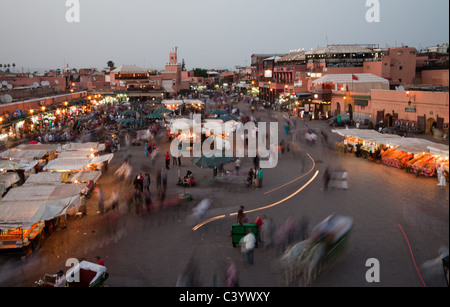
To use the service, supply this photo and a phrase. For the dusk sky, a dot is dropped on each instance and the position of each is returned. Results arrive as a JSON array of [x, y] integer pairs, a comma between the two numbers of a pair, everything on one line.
[[208, 33]]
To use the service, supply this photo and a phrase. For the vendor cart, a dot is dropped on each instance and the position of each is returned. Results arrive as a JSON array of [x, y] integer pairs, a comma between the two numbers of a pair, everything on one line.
[[87, 274], [239, 231]]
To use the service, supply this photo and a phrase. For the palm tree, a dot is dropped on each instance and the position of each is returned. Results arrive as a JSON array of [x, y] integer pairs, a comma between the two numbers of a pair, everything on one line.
[[14, 66], [110, 64]]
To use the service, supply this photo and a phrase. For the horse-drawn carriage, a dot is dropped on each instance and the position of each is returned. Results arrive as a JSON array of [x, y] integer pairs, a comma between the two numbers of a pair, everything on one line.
[[329, 241]]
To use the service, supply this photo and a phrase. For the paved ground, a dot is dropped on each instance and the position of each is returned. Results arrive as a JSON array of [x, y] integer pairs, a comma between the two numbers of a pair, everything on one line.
[[398, 219]]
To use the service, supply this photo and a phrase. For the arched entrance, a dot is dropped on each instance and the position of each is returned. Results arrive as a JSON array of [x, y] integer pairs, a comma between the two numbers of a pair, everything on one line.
[[350, 110], [430, 125], [388, 120], [338, 108]]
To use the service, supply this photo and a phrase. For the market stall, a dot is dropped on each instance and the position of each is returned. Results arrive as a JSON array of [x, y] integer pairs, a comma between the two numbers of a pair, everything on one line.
[[7, 180], [416, 155]]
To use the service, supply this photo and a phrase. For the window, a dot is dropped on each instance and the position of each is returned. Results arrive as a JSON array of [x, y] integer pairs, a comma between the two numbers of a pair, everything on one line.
[[367, 67], [399, 52], [400, 68]]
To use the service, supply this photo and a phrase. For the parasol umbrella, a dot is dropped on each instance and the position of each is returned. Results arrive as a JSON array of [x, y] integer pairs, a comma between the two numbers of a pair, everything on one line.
[[228, 118], [128, 112], [131, 121], [154, 116], [212, 162], [219, 112], [161, 110]]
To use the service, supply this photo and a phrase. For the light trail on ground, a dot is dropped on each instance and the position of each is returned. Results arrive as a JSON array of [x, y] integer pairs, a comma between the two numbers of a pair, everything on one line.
[[196, 227], [312, 168]]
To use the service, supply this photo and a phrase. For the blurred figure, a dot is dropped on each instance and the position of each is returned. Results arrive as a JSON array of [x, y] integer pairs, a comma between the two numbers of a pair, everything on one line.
[[190, 275], [148, 200], [284, 235], [101, 200], [303, 228], [326, 178], [267, 231], [137, 200], [199, 211], [248, 246], [433, 267], [232, 279]]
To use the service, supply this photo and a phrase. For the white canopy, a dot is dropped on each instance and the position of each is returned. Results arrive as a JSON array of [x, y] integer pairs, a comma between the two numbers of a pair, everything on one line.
[[439, 149], [42, 192], [16, 165], [44, 178], [7, 180], [25, 213], [172, 102], [408, 144], [193, 101], [73, 165], [103, 158], [79, 154], [79, 146], [85, 176], [66, 165], [23, 154]]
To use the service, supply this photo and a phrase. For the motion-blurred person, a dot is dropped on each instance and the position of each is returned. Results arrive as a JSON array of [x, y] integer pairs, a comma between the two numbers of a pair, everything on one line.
[[248, 246], [232, 279]]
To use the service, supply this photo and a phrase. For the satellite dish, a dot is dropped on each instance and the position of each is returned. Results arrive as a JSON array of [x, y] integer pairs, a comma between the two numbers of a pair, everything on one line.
[[56, 82], [4, 82], [9, 86], [35, 84], [30, 75], [7, 98]]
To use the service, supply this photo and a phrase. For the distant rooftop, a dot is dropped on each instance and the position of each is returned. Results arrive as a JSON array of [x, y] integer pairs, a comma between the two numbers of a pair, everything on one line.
[[129, 69], [339, 49]]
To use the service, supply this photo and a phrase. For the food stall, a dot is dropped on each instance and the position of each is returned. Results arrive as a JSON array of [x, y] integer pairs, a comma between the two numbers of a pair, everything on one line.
[[395, 157], [416, 155]]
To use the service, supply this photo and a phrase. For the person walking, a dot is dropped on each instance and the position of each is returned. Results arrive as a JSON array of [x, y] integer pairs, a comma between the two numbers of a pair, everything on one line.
[[101, 200], [259, 223], [167, 157], [137, 200], [326, 177], [260, 177], [146, 149], [237, 165], [174, 160], [240, 216], [249, 242], [147, 182], [441, 177], [158, 180]]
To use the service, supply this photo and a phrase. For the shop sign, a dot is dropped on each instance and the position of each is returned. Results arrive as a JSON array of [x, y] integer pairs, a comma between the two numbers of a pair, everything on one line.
[[410, 110]]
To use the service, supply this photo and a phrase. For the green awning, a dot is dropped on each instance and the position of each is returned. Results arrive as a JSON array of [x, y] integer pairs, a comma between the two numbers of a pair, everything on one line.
[[361, 102]]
